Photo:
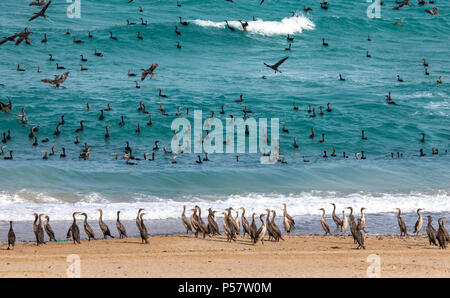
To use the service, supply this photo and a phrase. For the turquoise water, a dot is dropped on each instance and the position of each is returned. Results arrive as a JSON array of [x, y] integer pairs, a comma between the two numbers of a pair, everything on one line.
[[214, 66]]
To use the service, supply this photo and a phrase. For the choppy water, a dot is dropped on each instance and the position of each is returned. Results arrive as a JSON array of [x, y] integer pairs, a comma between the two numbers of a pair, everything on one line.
[[213, 68]]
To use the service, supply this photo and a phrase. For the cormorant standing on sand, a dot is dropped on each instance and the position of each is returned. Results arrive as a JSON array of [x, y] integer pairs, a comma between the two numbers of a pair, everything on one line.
[[11, 236], [401, 223], [120, 227], [324, 224], [431, 232], [87, 228], [103, 226], [185, 220]]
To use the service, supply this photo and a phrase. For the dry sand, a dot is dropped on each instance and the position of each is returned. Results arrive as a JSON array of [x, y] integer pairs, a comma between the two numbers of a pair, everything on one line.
[[185, 256]]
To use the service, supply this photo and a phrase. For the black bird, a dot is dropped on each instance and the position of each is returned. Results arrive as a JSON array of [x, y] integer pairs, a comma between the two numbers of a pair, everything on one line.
[[11, 236], [74, 230], [18, 67], [111, 36], [431, 232], [160, 93], [442, 234], [149, 71], [122, 122], [176, 31], [120, 227], [183, 23], [41, 13], [229, 27], [48, 229], [6, 107], [276, 65], [63, 154], [98, 54], [57, 132], [10, 157], [76, 40], [83, 59], [45, 38]]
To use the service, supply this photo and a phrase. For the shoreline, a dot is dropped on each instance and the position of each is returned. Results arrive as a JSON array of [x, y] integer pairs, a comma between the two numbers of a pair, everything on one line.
[[185, 256]]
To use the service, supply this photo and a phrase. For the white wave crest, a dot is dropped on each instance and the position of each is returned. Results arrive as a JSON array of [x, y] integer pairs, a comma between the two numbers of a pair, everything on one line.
[[19, 206], [288, 25]]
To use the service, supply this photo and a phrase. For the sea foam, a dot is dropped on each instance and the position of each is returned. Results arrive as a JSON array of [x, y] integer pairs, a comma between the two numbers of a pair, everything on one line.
[[288, 25], [20, 206]]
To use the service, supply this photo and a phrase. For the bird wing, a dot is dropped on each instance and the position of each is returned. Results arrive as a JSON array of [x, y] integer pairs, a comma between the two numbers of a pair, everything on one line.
[[144, 75], [153, 67], [280, 62], [50, 81], [290, 219], [20, 39], [10, 38], [46, 6], [33, 17], [63, 77]]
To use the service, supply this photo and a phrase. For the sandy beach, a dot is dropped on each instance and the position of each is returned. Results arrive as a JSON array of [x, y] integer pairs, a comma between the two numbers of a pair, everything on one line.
[[185, 256]]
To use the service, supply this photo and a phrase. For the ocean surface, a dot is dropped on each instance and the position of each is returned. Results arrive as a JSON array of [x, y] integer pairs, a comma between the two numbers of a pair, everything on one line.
[[214, 66]]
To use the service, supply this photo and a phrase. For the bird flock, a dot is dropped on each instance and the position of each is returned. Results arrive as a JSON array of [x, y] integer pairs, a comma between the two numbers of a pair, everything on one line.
[[74, 231], [128, 155], [232, 226]]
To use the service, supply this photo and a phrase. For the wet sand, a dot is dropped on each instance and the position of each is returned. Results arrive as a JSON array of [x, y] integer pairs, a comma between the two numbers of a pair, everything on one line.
[[186, 256]]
